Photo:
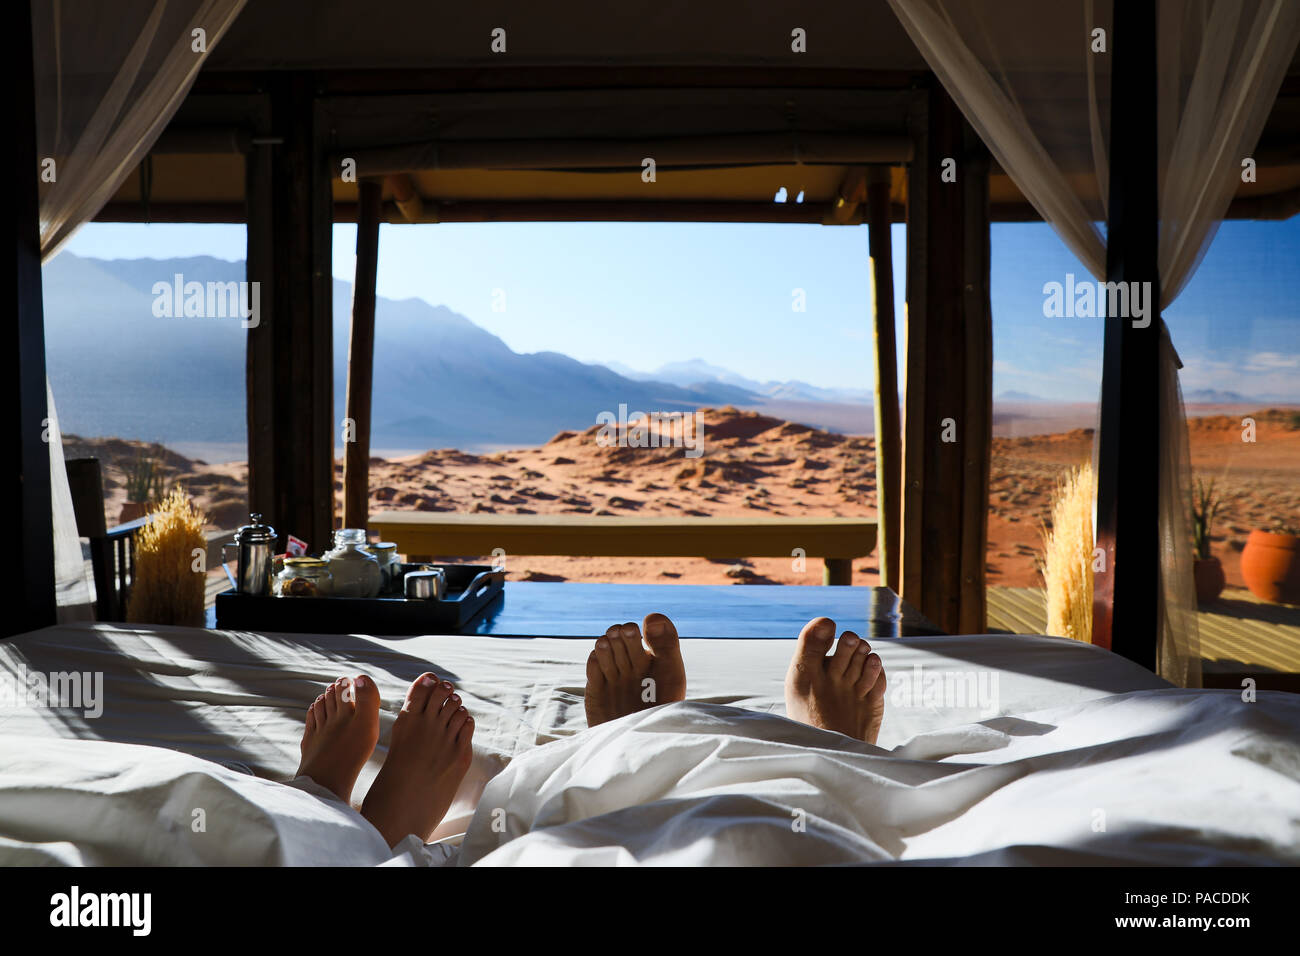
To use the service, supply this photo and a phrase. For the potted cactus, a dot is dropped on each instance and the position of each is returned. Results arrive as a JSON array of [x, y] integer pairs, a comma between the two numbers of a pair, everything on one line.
[[1270, 564], [1207, 569], [144, 486]]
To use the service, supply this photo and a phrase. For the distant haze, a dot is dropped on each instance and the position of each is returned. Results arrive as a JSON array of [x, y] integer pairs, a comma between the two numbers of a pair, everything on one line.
[[440, 380]]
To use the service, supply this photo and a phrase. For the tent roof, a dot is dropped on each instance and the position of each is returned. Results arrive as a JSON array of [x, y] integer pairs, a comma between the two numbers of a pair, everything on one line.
[[558, 126]]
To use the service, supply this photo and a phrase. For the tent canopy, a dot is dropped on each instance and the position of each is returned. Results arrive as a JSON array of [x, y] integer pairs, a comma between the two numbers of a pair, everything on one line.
[[559, 125]]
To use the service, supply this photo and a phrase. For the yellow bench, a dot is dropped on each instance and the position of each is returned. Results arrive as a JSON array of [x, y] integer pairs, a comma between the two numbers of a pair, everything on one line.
[[835, 540]]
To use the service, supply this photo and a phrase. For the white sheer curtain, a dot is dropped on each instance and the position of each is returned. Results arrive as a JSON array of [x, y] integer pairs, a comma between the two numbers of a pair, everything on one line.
[[1034, 81], [109, 77]]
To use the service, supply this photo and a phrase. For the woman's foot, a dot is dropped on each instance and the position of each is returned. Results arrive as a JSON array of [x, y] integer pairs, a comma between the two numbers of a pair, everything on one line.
[[342, 729], [624, 675], [844, 692], [427, 759]]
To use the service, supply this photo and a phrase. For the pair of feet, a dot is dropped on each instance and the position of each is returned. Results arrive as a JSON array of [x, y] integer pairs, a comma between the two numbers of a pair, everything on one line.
[[428, 755], [633, 668], [629, 670]]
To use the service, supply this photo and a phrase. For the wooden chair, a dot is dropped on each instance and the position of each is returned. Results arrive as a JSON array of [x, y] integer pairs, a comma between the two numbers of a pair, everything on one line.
[[112, 550]]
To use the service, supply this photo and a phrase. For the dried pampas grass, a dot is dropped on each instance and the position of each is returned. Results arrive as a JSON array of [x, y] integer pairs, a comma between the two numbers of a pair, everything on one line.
[[169, 577], [1067, 557]]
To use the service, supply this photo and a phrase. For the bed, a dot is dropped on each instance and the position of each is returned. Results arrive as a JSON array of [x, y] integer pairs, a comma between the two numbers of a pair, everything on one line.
[[995, 748]]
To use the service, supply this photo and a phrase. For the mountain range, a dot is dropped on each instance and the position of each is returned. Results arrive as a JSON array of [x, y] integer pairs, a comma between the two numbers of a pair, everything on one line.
[[117, 369], [440, 380]]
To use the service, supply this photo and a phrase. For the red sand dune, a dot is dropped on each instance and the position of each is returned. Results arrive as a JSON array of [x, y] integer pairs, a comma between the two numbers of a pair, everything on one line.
[[755, 464]]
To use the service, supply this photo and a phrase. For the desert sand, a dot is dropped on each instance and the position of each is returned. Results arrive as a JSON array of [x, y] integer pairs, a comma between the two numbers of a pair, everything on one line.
[[753, 464]]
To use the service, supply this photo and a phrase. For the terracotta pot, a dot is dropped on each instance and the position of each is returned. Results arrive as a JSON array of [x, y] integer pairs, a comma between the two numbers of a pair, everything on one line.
[[1270, 565], [132, 510], [1210, 579]]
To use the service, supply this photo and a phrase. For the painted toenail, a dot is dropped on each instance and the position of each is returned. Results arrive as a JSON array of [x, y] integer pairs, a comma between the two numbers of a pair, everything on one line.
[[427, 682], [602, 644], [446, 685], [862, 648], [360, 682]]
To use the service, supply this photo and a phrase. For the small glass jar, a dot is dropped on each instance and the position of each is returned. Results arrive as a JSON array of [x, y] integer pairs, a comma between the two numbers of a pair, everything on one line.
[[303, 577], [385, 553], [356, 573]]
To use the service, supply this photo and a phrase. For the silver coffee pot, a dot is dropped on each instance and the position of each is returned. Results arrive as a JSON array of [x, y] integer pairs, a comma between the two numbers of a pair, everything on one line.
[[254, 545]]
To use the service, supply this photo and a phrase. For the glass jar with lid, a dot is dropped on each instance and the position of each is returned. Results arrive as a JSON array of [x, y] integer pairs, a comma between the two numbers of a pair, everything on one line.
[[304, 577], [356, 572], [385, 553]]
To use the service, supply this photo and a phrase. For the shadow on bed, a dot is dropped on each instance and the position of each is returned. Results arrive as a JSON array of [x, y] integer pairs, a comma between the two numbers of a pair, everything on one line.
[[249, 686]]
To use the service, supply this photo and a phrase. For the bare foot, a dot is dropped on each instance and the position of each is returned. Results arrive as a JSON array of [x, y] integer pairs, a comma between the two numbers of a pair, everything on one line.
[[342, 729], [624, 676], [427, 759], [844, 692]]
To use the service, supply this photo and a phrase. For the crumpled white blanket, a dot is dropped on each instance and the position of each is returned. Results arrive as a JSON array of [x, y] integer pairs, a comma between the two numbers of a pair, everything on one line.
[[1164, 776], [1153, 776]]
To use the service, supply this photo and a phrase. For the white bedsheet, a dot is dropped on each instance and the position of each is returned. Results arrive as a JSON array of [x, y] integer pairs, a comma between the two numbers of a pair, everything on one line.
[[1164, 776], [238, 699]]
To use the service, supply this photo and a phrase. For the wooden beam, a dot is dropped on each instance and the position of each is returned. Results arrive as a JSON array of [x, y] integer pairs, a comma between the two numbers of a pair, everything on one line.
[[949, 371], [361, 363], [260, 379], [27, 564], [405, 195], [291, 387], [1125, 610], [459, 79], [889, 446], [605, 154], [851, 194], [522, 210], [475, 535]]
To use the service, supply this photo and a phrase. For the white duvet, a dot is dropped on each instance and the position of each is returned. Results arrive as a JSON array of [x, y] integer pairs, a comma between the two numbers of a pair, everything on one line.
[[1153, 776], [1077, 756]]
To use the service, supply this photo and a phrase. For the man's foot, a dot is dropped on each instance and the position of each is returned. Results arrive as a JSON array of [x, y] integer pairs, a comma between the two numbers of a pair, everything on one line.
[[427, 759], [342, 729], [624, 675], [844, 692]]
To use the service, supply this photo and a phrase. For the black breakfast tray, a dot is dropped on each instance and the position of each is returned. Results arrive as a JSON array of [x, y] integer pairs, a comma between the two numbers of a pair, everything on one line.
[[470, 589]]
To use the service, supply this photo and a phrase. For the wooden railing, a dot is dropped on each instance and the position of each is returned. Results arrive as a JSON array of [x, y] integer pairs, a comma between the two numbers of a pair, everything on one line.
[[837, 541]]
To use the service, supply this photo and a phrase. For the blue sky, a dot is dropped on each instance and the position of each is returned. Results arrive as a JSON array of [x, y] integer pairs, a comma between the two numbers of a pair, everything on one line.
[[649, 293]]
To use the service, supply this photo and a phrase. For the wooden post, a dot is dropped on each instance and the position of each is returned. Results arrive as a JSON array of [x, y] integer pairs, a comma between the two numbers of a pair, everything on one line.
[[888, 440], [949, 385], [361, 362], [1125, 610], [290, 355], [28, 562], [259, 372]]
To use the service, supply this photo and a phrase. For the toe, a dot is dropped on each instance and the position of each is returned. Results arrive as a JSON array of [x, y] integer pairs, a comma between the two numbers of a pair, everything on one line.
[[311, 718], [860, 651], [872, 671], [660, 634], [331, 700], [365, 694], [843, 657], [466, 733], [618, 647], [456, 719], [605, 659], [635, 649], [422, 689], [814, 641], [595, 676], [448, 711]]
